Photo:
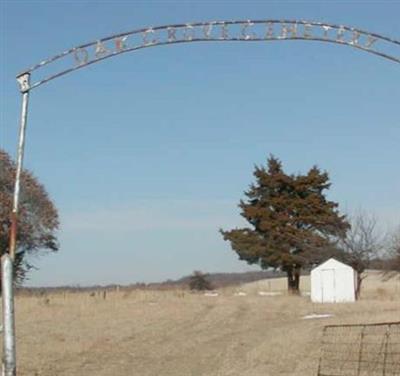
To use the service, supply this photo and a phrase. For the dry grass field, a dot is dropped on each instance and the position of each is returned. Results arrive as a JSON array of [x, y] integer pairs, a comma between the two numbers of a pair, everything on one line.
[[144, 333]]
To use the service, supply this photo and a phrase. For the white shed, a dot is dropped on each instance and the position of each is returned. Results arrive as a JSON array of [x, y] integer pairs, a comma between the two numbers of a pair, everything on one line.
[[333, 282]]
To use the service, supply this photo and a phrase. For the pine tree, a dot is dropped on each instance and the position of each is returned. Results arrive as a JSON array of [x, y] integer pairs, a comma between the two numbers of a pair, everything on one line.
[[291, 221]]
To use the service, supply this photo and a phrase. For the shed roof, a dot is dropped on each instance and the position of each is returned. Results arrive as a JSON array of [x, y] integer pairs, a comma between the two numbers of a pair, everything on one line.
[[332, 264]]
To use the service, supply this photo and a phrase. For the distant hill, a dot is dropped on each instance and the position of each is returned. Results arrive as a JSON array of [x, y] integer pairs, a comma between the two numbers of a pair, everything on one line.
[[217, 280]]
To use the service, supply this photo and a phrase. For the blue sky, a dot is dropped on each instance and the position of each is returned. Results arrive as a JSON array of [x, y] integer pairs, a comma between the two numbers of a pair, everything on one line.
[[146, 155]]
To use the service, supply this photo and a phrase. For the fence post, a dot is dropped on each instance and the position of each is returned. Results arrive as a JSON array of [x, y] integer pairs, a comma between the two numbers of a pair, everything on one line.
[[387, 334], [321, 356], [360, 351], [9, 358]]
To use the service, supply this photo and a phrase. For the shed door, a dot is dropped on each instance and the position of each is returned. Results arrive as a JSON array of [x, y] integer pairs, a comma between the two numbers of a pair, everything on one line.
[[328, 285]]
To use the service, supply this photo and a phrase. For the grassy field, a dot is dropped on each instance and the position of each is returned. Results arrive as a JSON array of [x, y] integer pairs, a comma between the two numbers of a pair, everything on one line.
[[179, 333]]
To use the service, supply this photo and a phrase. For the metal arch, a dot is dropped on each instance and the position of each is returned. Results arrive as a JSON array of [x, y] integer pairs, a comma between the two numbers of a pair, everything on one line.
[[216, 31]]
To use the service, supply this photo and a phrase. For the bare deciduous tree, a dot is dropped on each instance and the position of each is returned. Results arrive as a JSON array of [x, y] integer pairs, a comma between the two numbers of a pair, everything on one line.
[[362, 243], [199, 281], [394, 250]]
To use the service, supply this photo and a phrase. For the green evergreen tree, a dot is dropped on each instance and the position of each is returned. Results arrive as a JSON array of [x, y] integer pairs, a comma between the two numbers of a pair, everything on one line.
[[291, 221]]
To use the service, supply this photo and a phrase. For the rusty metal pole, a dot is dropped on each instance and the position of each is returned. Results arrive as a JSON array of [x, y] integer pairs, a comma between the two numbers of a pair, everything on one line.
[[9, 364], [9, 358]]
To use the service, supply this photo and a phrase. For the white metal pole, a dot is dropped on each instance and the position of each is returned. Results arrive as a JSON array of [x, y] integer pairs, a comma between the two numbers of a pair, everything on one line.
[[9, 364], [24, 86], [9, 358]]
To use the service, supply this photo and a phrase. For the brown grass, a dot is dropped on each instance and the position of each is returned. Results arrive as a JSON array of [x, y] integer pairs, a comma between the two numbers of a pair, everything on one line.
[[179, 333]]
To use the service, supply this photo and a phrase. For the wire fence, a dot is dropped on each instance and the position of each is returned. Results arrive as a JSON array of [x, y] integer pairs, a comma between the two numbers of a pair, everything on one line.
[[360, 350]]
